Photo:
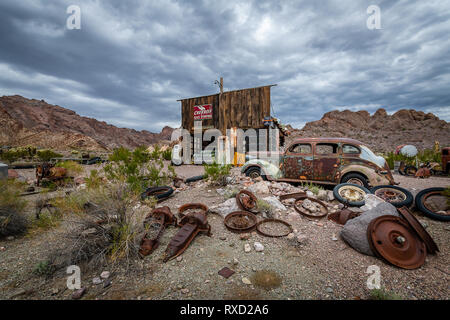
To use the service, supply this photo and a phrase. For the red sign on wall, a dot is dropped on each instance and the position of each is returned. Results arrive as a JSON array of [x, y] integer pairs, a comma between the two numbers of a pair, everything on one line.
[[203, 112]]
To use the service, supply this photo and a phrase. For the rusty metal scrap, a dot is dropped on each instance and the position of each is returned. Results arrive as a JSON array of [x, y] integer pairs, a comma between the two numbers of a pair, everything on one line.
[[342, 216], [423, 173], [240, 221], [191, 206], [226, 272], [308, 212], [292, 196], [49, 172], [157, 220], [392, 239], [191, 225], [419, 229], [246, 200], [274, 221]]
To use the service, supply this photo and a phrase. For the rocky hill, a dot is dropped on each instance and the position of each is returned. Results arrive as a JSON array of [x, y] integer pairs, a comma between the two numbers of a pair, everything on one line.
[[382, 132], [35, 122]]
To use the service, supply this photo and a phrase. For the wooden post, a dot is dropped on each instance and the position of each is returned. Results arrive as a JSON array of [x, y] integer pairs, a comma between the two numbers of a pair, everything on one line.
[[221, 85]]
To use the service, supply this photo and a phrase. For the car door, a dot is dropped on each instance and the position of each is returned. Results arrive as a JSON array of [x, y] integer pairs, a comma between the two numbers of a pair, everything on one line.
[[298, 162], [327, 159]]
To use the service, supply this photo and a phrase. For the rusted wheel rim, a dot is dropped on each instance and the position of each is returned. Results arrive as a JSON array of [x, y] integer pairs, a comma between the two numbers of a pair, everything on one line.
[[436, 202], [356, 181], [254, 174], [351, 193], [278, 221], [188, 206], [390, 195], [246, 200], [240, 221], [391, 238], [298, 205], [420, 230]]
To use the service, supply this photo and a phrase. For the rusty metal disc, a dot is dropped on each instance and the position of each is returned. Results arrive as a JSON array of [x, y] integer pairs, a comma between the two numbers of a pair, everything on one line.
[[240, 221], [189, 206], [246, 200], [419, 229], [308, 213], [258, 228], [391, 238]]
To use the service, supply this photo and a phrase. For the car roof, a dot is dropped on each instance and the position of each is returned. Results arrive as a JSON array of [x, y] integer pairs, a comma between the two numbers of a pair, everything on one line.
[[331, 140]]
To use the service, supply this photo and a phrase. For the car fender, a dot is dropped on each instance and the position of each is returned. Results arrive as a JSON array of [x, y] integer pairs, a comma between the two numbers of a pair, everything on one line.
[[375, 179], [268, 169]]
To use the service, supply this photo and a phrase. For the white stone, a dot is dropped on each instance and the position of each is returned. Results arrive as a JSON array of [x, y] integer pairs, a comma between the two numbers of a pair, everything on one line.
[[247, 247], [258, 246], [370, 202], [275, 203], [259, 187], [246, 281], [96, 280], [105, 275]]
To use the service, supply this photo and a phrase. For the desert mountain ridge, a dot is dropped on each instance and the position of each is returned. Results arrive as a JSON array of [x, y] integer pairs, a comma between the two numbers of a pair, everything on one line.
[[34, 122]]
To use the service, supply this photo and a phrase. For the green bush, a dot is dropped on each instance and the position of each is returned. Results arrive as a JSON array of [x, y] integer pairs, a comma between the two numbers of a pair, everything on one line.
[[423, 156], [12, 219], [47, 155], [167, 154], [217, 173], [73, 168], [383, 294]]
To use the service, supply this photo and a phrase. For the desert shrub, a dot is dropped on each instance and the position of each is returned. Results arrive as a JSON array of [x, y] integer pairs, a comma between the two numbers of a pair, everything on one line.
[[108, 229], [12, 219], [73, 168], [167, 154], [423, 156], [264, 207], [231, 192], [266, 279], [139, 169], [15, 154], [46, 155], [43, 268], [314, 188], [216, 173], [383, 294], [94, 181]]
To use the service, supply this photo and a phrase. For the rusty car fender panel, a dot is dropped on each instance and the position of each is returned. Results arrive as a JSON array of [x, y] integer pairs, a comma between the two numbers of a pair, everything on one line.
[[375, 179]]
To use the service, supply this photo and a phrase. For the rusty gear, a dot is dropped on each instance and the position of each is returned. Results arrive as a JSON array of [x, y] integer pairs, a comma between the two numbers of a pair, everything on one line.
[[392, 239], [265, 221]]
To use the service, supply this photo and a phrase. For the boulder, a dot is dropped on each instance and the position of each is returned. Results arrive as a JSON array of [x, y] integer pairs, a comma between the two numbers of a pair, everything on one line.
[[371, 201], [226, 207], [259, 187], [354, 231], [275, 203]]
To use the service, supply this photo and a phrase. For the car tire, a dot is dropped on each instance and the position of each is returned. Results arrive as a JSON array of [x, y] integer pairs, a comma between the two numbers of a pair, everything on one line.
[[407, 202], [195, 178], [410, 171], [254, 172], [349, 178], [345, 201], [425, 210], [158, 192]]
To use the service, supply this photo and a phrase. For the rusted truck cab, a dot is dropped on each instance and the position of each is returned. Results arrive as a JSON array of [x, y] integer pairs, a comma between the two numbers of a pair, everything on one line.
[[445, 155], [327, 161]]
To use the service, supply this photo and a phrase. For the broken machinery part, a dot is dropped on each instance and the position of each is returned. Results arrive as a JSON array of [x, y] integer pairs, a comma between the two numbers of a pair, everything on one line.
[[395, 195], [392, 239], [434, 203], [419, 229], [191, 225], [342, 216], [350, 194], [310, 207], [246, 200], [191, 206], [240, 221], [273, 221], [155, 223]]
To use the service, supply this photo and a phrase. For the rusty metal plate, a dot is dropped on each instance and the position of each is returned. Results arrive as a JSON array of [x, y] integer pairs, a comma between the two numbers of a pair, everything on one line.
[[391, 238], [192, 206], [274, 221], [420, 230], [240, 221], [342, 216], [226, 272], [320, 213], [246, 200]]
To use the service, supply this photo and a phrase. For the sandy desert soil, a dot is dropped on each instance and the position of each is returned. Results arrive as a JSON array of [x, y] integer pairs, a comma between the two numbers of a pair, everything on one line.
[[325, 267]]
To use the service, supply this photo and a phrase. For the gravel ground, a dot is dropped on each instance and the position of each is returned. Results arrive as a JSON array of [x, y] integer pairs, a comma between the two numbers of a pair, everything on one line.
[[324, 267]]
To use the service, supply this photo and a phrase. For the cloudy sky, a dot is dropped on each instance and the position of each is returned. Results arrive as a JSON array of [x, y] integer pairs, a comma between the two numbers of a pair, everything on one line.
[[131, 60]]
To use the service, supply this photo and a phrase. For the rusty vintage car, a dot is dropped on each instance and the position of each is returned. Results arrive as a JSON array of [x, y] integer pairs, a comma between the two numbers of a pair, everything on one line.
[[324, 161]]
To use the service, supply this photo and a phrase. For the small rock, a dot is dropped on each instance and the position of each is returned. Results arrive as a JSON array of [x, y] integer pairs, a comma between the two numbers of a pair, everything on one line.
[[96, 280], [319, 224], [247, 248], [207, 281], [184, 291], [334, 238], [329, 290], [258, 246], [78, 293], [2, 248], [245, 236], [246, 281], [235, 261], [302, 239], [55, 291], [309, 194], [322, 195], [223, 238], [105, 275], [291, 236], [179, 258], [107, 283], [10, 238], [330, 195], [180, 287], [423, 223]]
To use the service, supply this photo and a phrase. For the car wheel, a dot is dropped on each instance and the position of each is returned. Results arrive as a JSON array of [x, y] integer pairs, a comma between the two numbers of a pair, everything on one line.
[[410, 171], [431, 201], [356, 178], [396, 196], [254, 173], [350, 194], [159, 193]]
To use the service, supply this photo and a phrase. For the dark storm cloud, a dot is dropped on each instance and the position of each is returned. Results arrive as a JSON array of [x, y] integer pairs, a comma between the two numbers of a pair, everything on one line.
[[132, 60]]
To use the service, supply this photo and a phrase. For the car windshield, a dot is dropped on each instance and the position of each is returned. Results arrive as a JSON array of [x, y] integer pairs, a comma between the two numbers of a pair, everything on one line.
[[368, 155]]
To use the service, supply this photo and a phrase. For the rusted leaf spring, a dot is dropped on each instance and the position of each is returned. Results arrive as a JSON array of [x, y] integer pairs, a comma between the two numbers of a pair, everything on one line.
[[265, 221], [299, 209], [240, 221], [419, 229], [248, 202], [342, 216], [161, 217], [392, 239], [189, 206], [191, 225]]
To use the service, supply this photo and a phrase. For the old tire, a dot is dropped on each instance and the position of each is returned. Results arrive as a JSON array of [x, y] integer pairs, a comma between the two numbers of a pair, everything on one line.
[[353, 178], [158, 192], [254, 172], [410, 171], [408, 197], [195, 178], [356, 203], [420, 205]]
